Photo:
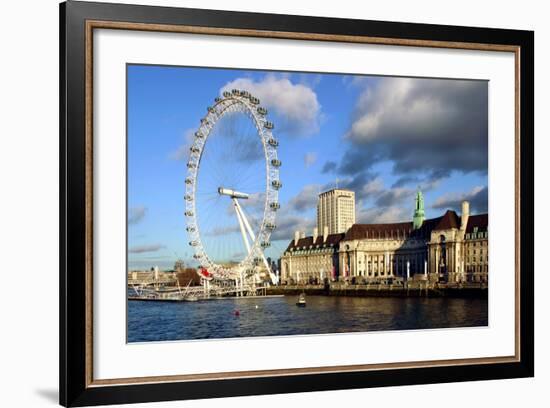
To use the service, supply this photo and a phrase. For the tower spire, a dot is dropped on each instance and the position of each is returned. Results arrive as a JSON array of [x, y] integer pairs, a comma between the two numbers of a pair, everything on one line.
[[418, 217]]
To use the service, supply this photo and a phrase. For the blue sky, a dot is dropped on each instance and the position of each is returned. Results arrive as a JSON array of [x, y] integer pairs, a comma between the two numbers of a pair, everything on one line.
[[382, 137]]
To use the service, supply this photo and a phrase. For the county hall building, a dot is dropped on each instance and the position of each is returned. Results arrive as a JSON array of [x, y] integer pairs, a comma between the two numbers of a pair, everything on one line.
[[449, 248]]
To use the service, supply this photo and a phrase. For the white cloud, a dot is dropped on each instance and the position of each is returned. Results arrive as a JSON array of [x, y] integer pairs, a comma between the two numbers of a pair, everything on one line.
[[382, 215], [288, 223], [423, 126], [394, 195], [309, 159], [136, 214], [428, 185], [296, 104], [446, 198], [254, 205], [306, 198], [182, 152], [355, 80], [373, 188], [227, 230], [141, 249], [477, 196], [391, 104]]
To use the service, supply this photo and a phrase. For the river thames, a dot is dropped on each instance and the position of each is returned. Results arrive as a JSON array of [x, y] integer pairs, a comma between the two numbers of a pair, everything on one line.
[[275, 316]]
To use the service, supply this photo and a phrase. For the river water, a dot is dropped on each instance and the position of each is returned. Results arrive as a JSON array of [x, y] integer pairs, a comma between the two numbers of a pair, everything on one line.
[[242, 317]]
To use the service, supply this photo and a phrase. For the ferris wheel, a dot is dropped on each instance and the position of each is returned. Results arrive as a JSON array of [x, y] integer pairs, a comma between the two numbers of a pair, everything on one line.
[[231, 189]]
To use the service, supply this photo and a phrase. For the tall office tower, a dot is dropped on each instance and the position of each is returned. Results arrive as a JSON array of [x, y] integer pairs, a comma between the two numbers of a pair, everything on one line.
[[336, 210]]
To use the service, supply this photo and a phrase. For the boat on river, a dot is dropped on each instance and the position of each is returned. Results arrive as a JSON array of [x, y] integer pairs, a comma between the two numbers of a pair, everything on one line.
[[190, 298], [301, 300]]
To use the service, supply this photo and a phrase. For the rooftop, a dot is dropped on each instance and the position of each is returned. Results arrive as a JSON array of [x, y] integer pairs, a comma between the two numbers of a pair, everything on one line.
[[401, 230], [449, 220], [337, 189], [480, 221], [332, 239]]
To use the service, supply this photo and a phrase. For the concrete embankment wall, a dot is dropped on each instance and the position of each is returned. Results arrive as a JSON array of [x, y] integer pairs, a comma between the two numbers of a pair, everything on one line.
[[380, 291]]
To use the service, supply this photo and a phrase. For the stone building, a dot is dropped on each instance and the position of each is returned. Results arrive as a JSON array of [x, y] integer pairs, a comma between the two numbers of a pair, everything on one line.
[[154, 276], [458, 247], [449, 248], [313, 259], [336, 210], [383, 252]]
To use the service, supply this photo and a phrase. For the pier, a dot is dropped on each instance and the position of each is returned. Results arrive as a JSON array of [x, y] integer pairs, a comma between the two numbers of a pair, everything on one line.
[[411, 289], [212, 292], [152, 291]]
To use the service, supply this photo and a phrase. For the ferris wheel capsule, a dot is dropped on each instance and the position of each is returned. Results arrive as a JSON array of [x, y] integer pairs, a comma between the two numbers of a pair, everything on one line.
[[203, 272], [276, 184]]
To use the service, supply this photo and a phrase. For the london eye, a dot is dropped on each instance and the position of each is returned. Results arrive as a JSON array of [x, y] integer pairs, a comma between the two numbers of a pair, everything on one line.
[[231, 190]]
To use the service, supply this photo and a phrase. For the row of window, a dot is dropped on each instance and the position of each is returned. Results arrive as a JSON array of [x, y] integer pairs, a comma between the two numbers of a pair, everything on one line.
[[476, 243], [477, 269], [324, 249], [474, 259], [377, 260], [477, 235]]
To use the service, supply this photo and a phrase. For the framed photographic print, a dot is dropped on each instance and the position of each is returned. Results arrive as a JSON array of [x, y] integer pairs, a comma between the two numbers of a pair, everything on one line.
[[256, 203]]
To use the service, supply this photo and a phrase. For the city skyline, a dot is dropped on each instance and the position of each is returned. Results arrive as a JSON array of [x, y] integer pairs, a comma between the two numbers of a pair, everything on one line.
[[381, 137]]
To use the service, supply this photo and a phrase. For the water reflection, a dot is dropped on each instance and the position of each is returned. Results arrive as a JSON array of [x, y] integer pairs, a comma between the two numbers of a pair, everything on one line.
[[158, 321]]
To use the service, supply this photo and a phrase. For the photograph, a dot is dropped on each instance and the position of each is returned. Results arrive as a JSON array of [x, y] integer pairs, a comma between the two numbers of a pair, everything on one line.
[[258, 202], [277, 203]]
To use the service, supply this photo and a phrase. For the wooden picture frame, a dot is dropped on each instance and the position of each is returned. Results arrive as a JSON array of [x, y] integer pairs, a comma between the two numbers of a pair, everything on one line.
[[78, 20]]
